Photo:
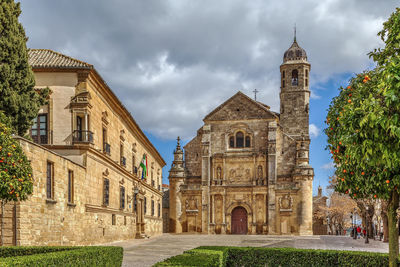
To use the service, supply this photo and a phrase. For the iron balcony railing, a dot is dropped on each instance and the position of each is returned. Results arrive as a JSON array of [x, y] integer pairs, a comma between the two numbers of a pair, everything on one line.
[[44, 137], [80, 136], [107, 148]]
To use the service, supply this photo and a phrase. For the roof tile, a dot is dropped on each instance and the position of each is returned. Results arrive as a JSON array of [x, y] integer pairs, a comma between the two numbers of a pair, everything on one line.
[[46, 58]]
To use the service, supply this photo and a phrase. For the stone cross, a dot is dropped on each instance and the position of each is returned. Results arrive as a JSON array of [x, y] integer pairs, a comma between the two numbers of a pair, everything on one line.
[[255, 94]]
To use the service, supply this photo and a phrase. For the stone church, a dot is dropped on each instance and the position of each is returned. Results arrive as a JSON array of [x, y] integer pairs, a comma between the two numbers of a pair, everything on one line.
[[247, 170]]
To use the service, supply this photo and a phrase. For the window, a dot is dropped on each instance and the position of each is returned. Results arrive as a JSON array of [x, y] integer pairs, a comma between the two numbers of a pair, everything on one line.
[[239, 139], [306, 82], [121, 154], [113, 219], [306, 73], [283, 79], [231, 141], [106, 146], [152, 207], [70, 186], [283, 74], [247, 141], [283, 84], [145, 205], [135, 203], [39, 130], [50, 180], [134, 168], [122, 197], [295, 77], [106, 192], [159, 209]]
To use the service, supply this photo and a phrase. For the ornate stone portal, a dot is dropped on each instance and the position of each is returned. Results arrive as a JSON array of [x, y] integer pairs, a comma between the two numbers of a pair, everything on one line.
[[247, 169]]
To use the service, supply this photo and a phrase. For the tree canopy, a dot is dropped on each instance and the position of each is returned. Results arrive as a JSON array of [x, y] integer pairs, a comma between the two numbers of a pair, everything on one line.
[[19, 101]]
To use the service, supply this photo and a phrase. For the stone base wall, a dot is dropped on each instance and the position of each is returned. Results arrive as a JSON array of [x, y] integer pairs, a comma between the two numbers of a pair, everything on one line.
[[9, 224]]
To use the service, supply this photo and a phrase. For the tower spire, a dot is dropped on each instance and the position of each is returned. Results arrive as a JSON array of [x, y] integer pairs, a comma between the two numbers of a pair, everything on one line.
[[295, 32]]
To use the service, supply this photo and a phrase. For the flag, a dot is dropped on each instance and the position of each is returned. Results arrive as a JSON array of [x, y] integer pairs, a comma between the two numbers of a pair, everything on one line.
[[143, 165]]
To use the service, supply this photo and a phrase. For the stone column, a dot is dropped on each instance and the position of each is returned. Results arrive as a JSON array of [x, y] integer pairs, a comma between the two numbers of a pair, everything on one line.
[[205, 178]]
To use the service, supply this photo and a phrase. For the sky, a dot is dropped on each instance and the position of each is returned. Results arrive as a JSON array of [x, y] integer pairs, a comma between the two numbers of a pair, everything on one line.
[[171, 62]]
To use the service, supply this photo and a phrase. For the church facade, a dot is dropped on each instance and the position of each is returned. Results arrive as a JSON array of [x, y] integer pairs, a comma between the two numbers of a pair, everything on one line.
[[247, 170]]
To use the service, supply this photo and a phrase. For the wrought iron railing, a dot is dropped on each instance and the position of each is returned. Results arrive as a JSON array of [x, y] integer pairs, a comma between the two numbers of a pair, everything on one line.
[[45, 137], [80, 136]]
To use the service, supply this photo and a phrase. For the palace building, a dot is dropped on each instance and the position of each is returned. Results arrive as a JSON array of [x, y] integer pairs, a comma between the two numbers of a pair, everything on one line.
[[247, 170], [85, 152]]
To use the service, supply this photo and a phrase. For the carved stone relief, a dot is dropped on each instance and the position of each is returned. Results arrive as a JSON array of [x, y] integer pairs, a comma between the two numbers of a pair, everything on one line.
[[286, 203]]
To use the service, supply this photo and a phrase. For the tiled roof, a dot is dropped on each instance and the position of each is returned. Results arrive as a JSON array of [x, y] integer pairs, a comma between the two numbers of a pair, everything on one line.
[[46, 58]]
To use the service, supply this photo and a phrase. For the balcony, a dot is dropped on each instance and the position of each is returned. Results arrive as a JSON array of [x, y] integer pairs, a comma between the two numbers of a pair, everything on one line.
[[80, 136], [123, 161], [107, 148]]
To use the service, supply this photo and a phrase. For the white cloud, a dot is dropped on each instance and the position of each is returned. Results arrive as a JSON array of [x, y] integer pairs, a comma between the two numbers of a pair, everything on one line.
[[172, 62], [328, 166], [314, 131]]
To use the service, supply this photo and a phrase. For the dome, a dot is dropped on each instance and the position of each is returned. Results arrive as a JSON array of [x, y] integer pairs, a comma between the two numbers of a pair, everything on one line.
[[295, 52]]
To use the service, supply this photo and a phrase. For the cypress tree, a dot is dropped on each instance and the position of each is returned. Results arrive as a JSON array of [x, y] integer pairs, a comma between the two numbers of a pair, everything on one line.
[[18, 99]]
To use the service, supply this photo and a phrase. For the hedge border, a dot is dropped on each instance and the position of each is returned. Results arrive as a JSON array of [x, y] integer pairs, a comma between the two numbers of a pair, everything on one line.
[[65, 256], [259, 256]]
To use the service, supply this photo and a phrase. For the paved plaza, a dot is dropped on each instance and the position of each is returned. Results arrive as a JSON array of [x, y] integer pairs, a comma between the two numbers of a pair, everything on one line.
[[147, 252]]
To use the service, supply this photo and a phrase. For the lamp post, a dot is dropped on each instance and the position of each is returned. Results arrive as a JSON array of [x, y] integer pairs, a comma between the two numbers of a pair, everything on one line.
[[366, 226], [355, 223], [352, 224]]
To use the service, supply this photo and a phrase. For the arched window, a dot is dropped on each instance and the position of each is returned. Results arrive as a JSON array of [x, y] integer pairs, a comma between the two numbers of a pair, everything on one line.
[[239, 139], [231, 141], [283, 79], [295, 77], [247, 141]]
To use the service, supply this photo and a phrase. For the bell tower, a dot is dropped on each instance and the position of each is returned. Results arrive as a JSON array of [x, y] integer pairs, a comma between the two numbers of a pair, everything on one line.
[[294, 120], [295, 92]]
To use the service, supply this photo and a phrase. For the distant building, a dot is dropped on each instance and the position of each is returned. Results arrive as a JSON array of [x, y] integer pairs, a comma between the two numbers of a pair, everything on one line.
[[165, 210], [320, 226], [85, 155]]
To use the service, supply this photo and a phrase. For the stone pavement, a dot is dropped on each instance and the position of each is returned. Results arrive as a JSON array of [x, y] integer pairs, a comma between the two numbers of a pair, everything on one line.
[[146, 252]]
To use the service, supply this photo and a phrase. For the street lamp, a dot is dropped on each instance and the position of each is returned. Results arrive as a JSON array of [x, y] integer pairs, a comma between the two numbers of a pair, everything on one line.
[[366, 224], [352, 224], [355, 222]]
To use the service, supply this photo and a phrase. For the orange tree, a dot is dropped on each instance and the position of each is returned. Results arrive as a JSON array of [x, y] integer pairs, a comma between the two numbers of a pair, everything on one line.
[[364, 131], [15, 169]]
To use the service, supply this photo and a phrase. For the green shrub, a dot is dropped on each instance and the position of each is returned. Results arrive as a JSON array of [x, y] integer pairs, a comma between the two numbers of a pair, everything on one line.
[[24, 251], [246, 256], [62, 256], [302, 257], [195, 257]]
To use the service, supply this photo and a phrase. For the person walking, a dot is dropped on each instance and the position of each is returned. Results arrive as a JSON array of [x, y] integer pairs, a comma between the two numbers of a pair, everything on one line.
[[358, 231]]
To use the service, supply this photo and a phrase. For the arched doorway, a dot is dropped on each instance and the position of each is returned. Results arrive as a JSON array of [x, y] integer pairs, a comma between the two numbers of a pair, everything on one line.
[[239, 221]]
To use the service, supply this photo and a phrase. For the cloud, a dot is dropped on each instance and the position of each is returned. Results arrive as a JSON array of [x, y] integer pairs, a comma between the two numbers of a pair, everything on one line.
[[328, 166], [314, 130], [172, 62]]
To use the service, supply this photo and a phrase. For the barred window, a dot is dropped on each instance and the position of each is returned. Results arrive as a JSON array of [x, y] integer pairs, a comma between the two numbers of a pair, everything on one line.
[[152, 207], [122, 197], [159, 209], [70, 186], [50, 180], [106, 192], [145, 205]]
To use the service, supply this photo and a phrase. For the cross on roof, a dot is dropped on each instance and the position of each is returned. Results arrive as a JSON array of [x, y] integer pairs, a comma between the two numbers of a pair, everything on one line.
[[255, 94]]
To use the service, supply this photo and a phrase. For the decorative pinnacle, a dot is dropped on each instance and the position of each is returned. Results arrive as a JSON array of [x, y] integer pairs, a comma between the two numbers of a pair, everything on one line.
[[178, 145], [295, 32]]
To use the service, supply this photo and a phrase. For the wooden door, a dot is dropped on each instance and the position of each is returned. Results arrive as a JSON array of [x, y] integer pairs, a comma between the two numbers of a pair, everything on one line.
[[239, 221]]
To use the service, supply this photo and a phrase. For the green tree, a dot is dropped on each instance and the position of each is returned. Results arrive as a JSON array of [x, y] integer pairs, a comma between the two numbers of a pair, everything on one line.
[[18, 101], [364, 131], [16, 182]]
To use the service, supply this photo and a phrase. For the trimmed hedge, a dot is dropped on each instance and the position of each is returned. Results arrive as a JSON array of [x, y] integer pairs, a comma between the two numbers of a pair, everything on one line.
[[61, 256], [196, 257], [247, 256]]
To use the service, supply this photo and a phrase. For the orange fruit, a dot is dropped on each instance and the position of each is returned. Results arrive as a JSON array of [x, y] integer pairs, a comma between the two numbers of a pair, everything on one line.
[[387, 181], [362, 173], [349, 100]]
